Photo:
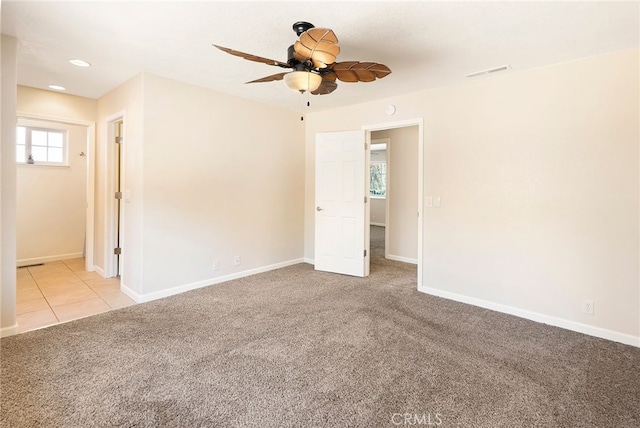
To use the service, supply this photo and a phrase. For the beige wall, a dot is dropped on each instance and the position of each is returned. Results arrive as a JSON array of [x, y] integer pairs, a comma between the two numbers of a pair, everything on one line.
[[56, 104], [538, 177], [223, 176], [211, 176], [51, 203], [378, 211]]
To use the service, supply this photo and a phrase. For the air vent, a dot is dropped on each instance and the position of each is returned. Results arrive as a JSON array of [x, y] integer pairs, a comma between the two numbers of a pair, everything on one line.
[[490, 71]]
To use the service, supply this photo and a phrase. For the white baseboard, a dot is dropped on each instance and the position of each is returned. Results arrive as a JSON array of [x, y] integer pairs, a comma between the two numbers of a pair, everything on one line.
[[47, 259], [137, 297], [142, 298], [308, 260], [99, 271], [590, 330], [9, 331], [401, 259], [378, 224]]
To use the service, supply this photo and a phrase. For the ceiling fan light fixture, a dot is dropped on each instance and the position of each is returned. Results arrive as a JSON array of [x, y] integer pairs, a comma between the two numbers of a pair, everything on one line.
[[303, 81]]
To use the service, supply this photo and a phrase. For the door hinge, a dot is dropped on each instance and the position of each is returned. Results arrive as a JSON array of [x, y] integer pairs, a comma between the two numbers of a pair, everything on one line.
[[118, 195], [365, 253], [119, 140], [365, 146], [117, 251], [365, 199]]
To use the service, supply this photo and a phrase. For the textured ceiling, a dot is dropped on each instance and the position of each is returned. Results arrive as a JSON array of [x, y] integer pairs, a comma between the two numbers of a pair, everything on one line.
[[426, 44]]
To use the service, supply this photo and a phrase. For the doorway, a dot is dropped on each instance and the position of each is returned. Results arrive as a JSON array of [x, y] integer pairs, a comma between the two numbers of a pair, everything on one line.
[[404, 191], [115, 196], [342, 221], [394, 191], [55, 190]]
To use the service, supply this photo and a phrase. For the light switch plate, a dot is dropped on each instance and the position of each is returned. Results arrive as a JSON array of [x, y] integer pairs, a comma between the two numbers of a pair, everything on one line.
[[436, 201], [429, 202]]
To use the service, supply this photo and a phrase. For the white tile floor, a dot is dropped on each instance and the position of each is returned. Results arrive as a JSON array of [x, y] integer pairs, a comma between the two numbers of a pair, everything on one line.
[[63, 291]]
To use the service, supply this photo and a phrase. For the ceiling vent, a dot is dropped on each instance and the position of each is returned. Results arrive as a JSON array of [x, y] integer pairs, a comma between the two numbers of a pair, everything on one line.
[[490, 71]]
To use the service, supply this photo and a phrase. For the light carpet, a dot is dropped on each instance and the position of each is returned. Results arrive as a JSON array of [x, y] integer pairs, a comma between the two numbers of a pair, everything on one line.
[[300, 348]]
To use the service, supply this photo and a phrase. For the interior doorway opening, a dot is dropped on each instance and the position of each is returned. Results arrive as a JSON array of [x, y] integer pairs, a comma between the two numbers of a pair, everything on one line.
[[65, 180], [403, 199], [115, 196]]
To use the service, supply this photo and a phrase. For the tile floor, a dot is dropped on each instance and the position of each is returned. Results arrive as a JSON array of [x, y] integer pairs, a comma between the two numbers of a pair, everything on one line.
[[63, 291]]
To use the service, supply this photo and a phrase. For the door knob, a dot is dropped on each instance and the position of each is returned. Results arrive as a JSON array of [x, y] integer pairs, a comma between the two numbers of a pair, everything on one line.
[[318, 209]]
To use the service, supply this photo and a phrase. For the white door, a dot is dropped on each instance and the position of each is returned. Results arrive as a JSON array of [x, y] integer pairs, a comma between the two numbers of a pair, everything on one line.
[[340, 216]]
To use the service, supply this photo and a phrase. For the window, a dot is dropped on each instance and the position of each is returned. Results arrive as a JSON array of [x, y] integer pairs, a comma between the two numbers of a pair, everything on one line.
[[378, 182], [41, 146]]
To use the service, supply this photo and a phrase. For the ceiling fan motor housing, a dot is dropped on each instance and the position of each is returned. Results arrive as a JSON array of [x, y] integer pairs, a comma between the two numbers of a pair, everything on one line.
[[302, 26]]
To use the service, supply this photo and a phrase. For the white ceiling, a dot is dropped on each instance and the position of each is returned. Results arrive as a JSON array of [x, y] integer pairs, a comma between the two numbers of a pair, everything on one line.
[[426, 44]]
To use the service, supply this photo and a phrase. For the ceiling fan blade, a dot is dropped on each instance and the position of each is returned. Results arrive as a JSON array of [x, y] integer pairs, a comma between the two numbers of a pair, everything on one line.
[[329, 76], [254, 58], [356, 71], [320, 45], [271, 78], [327, 86]]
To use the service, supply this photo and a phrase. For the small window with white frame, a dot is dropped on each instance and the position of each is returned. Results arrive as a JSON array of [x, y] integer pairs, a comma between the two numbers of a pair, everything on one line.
[[41, 146]]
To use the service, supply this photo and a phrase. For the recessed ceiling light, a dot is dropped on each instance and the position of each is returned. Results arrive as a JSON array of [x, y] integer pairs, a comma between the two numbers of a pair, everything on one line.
[[57, 87], [79, 63]]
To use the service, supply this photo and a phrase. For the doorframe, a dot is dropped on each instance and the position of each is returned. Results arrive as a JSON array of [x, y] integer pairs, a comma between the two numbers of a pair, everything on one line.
[[419, 122], [110, 266], [91, 177]]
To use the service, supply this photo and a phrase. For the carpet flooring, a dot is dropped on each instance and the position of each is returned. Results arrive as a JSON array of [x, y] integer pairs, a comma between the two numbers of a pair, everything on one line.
[[299, 348]]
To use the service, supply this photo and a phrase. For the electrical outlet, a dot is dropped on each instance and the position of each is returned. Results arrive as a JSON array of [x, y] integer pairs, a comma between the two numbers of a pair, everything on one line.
[[587, 307], [216, 265], [236, 261]]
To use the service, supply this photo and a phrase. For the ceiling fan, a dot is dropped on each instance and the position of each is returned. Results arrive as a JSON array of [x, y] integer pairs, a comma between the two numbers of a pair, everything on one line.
[[313, 61]]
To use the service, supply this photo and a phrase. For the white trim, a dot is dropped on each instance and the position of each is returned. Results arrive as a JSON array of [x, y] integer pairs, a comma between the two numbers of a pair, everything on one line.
[[89, 262], [90, 178], [401, 259], [47, 259], [590, 330], [403, 124], [378, 224], [367, 205], [387, 205], [142, 298], [99, 271], [309, 261], [9, 331]]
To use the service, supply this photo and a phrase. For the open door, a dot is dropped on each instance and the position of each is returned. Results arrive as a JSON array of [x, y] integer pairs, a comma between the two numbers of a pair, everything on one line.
[[341, 203]]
